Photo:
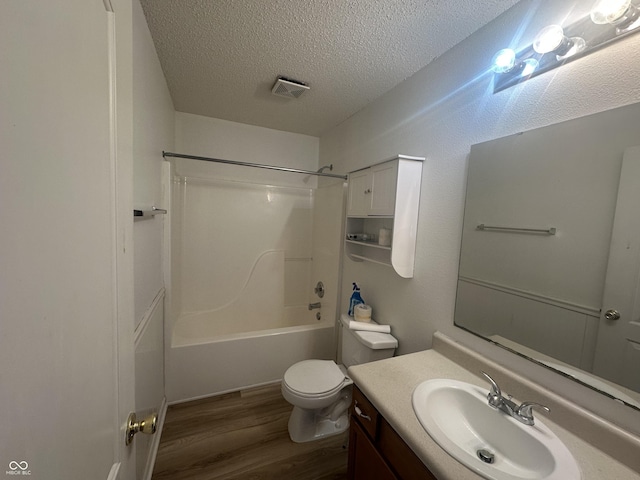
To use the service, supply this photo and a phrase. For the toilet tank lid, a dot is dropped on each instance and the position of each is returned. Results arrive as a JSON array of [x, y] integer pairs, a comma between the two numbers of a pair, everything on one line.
[[373, 340]]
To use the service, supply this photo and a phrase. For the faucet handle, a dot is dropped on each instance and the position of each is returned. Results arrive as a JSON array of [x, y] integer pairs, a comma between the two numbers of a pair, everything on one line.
[[495, 395], [495, 389], [525, 411]]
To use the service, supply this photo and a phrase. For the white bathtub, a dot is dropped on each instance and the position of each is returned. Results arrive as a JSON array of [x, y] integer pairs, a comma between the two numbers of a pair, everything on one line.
[[210, 357], [207, 327]]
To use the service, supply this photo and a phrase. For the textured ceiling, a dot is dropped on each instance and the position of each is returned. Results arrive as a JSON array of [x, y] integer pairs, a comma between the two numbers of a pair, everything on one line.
[[221, 57]]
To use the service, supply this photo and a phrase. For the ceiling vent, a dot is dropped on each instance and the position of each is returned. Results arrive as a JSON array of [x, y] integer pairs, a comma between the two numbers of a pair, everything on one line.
[[288, 88]]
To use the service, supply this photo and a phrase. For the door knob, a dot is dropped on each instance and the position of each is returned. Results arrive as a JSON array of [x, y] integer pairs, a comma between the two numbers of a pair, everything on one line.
[[612, 315], [147, 426]]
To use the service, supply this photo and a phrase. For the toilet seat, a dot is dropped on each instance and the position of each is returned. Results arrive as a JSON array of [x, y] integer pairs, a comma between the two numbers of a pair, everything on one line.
[[314, 378]]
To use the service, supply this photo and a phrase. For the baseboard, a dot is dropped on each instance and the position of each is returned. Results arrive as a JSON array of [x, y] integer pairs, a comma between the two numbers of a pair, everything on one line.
[[202, 397], [155, 443]]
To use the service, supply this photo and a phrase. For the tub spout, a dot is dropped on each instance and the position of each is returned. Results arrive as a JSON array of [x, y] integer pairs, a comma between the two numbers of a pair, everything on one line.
[[314, 305]]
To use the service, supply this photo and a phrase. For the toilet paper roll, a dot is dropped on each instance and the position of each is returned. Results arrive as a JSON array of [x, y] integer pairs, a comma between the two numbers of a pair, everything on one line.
[[362, 313], [369, 327]]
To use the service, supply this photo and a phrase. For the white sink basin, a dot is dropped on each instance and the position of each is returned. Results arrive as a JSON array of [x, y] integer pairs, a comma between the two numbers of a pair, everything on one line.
[[456, 415]]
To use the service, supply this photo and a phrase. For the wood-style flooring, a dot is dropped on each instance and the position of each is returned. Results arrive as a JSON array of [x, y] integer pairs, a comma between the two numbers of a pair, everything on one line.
[[243, 435]]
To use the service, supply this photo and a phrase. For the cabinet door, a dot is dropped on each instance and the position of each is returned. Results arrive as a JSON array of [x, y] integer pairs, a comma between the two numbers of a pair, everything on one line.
[[383, 188], [359, 193], [365, 463]]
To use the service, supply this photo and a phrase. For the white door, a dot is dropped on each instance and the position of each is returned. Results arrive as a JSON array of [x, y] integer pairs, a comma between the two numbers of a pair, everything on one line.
[[64, 370], [383, 186], [618, 347], [359, 193]]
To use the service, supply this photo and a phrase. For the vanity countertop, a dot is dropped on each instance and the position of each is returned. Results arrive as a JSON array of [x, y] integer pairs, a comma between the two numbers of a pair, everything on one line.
[[389, 385]]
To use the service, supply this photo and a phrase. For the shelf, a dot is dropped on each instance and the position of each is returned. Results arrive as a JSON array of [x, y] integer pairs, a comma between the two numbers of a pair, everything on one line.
[[367, 259], [369, 244], [370, 216]]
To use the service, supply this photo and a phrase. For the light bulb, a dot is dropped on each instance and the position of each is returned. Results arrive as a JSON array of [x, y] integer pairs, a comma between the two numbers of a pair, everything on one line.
[[609, 11], [504, 60], [529, 66], [549, 39]]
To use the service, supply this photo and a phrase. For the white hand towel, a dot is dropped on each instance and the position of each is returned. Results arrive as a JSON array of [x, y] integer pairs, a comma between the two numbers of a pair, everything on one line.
[[369, 327]]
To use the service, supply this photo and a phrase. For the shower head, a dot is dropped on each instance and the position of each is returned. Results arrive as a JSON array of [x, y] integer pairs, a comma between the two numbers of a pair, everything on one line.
[[320, 170]]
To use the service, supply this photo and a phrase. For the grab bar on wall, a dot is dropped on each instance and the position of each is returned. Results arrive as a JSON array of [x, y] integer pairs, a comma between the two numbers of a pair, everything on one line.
[[149, 213], [257, 165], [548, 231]]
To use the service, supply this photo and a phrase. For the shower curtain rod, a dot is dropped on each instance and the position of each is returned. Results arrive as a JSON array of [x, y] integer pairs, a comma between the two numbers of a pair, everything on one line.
[[257, 165]]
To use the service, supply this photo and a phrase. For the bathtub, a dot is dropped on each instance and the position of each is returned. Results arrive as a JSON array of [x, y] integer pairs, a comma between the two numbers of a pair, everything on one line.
[[207, 358]]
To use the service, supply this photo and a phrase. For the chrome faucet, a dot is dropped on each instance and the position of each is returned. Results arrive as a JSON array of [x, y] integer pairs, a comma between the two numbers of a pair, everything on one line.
[[314, 305], [522, 413]]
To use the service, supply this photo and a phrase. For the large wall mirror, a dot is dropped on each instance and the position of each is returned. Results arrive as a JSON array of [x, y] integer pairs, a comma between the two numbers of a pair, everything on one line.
[[550, 257]]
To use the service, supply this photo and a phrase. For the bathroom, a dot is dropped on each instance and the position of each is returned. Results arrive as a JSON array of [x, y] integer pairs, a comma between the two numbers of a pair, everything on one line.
[[438, 112]]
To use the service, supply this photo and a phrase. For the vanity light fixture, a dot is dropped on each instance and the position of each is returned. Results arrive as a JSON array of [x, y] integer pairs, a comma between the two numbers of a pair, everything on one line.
[[505, 62], [555, 45], [552, 39], [621, 13]]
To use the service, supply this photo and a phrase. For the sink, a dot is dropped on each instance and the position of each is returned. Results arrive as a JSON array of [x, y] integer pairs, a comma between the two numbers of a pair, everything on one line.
[[489, 442]]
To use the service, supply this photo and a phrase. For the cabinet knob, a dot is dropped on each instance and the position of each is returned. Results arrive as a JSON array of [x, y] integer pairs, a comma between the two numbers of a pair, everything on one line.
[[368, 190]]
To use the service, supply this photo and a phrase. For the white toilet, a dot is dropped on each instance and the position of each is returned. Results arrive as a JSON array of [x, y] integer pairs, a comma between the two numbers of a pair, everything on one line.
[[320, 390]]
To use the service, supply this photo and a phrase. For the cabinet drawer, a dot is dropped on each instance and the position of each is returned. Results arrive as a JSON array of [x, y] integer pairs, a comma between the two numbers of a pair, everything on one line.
[[366, 414]]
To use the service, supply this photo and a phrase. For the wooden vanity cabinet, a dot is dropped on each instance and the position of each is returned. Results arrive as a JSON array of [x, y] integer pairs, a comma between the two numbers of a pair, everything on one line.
[[376, 451]]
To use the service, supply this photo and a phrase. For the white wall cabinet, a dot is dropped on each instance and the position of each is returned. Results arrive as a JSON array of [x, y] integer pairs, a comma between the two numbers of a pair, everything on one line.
[[372, 190], [385, 195]]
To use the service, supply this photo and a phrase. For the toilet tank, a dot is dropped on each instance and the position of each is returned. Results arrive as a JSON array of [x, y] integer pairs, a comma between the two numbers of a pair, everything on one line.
[[362, 347]]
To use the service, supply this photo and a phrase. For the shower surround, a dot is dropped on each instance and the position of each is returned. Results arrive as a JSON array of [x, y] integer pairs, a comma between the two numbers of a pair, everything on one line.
[[245, 257]]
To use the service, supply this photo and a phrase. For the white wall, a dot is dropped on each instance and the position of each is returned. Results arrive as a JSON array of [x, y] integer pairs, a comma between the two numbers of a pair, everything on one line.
[[439, 113], [153, 130], [153, 124], [212, 137]]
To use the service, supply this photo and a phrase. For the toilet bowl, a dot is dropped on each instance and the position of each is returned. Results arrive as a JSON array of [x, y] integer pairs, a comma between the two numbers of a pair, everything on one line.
[[320, 390]]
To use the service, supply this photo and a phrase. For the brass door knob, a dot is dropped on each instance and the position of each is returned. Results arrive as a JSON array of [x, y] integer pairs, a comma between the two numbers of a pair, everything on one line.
[[147, 426]]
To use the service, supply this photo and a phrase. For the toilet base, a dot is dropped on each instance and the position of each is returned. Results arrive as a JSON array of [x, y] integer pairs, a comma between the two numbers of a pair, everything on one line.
[[309, 425]]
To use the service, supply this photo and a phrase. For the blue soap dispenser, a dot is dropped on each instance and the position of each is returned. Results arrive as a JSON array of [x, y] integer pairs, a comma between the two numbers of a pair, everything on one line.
[[355, 299]]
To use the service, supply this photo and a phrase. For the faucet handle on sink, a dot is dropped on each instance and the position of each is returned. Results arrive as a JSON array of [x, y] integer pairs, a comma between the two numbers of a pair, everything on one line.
[[525, 412], [495, 395]]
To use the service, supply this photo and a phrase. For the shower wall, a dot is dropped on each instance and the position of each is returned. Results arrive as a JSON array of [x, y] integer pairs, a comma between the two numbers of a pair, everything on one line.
[[244, 249], [247, 247], [230, 216]]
